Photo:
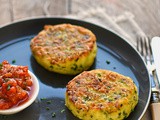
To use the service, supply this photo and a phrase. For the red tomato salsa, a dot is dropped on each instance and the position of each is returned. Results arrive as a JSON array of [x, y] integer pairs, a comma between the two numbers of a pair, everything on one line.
[[15, 85]]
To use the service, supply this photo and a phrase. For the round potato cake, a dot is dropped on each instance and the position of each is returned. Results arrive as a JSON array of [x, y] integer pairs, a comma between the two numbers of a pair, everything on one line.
[[64, 48], [101, 95]]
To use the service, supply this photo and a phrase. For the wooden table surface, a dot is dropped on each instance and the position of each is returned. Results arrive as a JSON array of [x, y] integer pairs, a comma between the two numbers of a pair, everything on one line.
[[146, 13]]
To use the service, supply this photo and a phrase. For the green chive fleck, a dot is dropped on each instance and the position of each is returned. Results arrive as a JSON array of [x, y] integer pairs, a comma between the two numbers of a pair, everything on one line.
[[1, 66], [6, 79], [49, 102], [13, 61], [53, 114], [108, 62], [74, 67], [99, 75], [8, 87], [62, 110], [43, 99], [51, 67], [47, 108]]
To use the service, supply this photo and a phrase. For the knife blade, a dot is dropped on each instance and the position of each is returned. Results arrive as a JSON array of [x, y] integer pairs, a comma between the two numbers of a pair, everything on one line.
[[155, 43], [155, 105]]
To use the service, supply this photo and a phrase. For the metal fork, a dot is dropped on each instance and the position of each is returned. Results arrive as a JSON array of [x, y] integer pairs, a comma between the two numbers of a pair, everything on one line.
[[144, 47]]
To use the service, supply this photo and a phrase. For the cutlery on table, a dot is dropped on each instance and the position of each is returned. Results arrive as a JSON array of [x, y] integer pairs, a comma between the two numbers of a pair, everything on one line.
[[155, 45], [144, 47]]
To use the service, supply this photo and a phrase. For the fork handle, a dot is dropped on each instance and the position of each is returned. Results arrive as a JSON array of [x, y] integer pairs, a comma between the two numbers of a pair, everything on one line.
[[155, 111]]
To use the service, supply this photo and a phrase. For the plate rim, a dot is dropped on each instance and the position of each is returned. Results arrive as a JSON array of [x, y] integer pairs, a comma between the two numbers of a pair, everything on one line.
[[90, 23]]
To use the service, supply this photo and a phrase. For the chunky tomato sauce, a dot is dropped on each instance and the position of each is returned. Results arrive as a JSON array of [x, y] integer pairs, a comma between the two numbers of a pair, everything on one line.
[[15, 85]]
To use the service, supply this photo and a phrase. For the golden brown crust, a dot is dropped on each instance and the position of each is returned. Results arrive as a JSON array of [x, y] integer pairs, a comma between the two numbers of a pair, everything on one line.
[[101, 90], [62, 43]]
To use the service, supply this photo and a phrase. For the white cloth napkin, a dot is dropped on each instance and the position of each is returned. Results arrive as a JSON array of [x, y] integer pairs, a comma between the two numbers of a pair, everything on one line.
[[124, 25]]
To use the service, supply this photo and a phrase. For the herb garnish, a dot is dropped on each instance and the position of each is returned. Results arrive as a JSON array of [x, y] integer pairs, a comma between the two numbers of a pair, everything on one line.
[[99, 75], [108, 62], [8, 87], [49, 102], [13, 61], [43, 99], [53, 114], [62, 110], [1, 66], [47, 108], [74, 67]]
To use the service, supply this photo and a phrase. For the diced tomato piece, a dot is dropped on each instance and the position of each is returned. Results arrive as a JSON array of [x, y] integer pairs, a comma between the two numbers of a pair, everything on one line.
[[15, 85]]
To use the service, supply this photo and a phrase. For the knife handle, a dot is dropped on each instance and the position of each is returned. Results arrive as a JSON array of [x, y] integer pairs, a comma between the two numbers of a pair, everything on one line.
[[155, 111]]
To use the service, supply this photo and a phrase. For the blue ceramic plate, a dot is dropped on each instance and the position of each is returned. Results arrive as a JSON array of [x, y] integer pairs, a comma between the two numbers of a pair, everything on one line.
[[114, 53]]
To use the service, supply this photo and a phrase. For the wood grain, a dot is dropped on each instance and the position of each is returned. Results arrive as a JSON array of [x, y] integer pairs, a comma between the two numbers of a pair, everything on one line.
[[32, 8], [13, 10], [146, 13], [5, 14]]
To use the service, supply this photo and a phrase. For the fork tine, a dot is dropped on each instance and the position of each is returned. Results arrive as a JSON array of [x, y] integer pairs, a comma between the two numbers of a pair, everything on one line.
[[144, 47], [150, 50], [140, 46], [149, 41]]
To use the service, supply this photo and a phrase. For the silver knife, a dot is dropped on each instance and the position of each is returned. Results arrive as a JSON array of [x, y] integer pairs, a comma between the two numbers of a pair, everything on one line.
[[155, 45], [155, 107]]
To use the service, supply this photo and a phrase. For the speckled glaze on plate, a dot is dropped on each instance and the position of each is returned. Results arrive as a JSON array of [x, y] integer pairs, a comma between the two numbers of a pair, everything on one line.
[[114, 53]]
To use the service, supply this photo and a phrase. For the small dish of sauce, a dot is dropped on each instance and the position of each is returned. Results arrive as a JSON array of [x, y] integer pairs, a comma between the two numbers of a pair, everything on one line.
[[18, 88]]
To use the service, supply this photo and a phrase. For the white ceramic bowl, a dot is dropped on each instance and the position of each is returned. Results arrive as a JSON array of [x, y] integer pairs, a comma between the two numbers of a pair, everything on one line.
[[29, 102]]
